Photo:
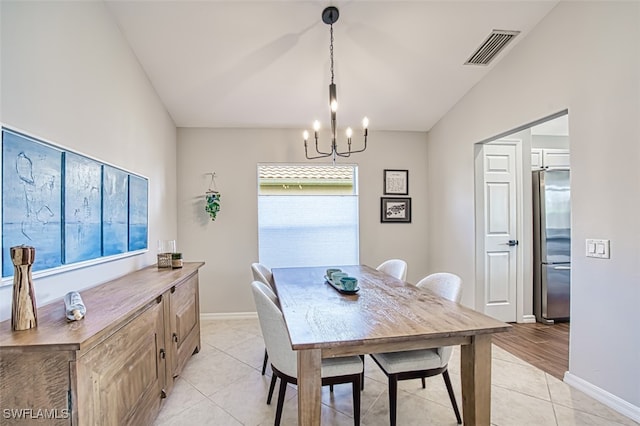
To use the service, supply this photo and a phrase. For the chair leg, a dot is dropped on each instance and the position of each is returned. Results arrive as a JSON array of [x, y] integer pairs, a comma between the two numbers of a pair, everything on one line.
[[331, 388], [362, 375], [281, 392], [452, 396], [264, 362], [393, 398], [424, 385], [271, 387], [356, 386]]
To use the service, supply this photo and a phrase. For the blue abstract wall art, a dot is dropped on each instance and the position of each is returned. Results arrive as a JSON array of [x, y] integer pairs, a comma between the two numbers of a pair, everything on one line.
[[71, 208], [138, 206], [115, 211], [82, 208], [31, 201]]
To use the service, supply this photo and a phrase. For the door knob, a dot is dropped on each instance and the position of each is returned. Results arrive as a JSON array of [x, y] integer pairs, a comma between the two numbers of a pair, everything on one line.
[[512, 243]]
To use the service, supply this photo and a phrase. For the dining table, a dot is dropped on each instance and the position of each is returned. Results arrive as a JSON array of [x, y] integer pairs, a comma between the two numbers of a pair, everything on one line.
[[384, 314]]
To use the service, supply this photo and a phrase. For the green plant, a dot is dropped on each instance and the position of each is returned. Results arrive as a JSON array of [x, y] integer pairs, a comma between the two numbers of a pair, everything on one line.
[[213, 204]]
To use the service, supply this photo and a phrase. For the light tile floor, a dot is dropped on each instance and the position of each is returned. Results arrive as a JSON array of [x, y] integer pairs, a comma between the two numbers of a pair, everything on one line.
[[222, 385]]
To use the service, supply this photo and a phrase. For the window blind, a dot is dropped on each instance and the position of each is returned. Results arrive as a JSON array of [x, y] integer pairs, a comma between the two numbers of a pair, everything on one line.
[[307, 215]]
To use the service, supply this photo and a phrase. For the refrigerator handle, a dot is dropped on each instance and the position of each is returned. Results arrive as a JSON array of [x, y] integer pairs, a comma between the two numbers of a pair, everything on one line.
[[562, 268]]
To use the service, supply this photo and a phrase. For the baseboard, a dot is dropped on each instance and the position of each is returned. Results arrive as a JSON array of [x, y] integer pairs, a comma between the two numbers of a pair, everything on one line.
[[618, 404], [229, 316], [528, 319]]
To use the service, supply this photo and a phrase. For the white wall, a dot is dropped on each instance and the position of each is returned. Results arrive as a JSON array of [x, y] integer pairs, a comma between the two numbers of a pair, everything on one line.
[[584, 56], [68, 76], [230, 244]]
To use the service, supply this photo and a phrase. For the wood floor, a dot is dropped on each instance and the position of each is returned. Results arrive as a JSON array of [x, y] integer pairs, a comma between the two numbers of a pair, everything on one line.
[[544, 346]]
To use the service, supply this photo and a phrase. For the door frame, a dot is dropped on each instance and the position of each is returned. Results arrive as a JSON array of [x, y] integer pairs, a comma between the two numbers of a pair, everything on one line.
[[524, 292]]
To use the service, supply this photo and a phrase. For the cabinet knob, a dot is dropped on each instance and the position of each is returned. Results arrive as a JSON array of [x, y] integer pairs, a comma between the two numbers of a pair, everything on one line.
[[162, 354], [163, 394], [175, 337], [159, 299], [173, 289]]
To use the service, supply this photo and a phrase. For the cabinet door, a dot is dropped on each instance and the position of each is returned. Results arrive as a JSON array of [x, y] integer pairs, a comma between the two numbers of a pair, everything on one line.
[[555, 158], [121, 380], [185, 323], [34, 387], [536, 158]]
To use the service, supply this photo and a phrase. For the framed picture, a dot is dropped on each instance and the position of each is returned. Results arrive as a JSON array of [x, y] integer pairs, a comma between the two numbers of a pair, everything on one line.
[[396, 182], [31, 200], [82, 203], [69, 207], [138, 212], [395, 210]]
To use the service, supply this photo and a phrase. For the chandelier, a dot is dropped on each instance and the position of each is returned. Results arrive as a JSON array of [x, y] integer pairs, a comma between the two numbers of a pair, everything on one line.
[[330, 16]]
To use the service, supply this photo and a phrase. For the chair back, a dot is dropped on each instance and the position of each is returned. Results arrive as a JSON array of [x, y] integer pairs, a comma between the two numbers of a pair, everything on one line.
[[274, 330], [262, 273], [444, 284], [395, 267], [449, 286]]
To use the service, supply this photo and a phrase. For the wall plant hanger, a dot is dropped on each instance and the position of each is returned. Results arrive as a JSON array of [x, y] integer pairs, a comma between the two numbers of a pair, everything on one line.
[[212, 197]]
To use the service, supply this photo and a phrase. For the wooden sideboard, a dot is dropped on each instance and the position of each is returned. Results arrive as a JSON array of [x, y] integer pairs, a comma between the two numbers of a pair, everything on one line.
[[115, 366]]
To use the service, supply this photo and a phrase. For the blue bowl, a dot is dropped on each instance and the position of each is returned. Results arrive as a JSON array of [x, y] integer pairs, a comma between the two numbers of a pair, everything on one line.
[[349, 283], [337, 276], [330, 272]]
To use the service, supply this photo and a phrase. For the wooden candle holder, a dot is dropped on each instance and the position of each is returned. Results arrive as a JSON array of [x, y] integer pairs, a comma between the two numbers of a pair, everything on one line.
[[23, 311]]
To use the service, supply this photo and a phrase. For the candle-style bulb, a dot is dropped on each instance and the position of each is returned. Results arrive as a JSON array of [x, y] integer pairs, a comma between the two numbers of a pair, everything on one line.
[[334, 105], [365, 123], [316, 125], [305, 135], [349, 132]]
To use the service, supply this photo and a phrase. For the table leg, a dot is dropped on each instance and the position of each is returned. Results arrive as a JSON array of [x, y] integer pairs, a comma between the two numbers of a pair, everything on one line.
[[475, 368], [309, 387]]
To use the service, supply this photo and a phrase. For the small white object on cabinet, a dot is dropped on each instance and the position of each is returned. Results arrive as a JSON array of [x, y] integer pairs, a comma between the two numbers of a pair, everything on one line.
[[74, 307]]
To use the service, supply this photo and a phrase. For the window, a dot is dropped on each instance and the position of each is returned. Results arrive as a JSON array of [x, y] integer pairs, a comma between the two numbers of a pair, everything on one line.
[[307, 215]]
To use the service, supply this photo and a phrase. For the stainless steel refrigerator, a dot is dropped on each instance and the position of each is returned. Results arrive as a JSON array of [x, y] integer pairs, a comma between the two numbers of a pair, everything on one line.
[[551, 245]]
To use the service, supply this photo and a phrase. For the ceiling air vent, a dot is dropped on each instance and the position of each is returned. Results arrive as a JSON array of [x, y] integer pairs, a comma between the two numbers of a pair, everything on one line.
[[497, 40]]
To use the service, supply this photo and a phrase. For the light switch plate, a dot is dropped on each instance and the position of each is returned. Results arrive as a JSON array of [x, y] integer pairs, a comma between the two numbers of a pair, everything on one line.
[[597, 248]]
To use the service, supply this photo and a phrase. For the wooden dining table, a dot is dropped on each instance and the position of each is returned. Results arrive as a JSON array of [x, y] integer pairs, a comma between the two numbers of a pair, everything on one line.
[[385, 315]]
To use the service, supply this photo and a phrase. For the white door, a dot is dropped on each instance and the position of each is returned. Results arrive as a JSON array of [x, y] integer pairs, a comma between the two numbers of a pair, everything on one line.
[[500, 230]]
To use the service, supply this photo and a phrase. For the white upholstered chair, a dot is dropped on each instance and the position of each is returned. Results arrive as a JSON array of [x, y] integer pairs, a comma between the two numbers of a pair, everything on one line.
[[395, 267], [284, 360], [419, 364], [263, 274]]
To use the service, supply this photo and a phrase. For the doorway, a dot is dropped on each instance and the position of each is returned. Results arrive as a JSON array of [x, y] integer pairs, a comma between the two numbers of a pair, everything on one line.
[[503, 214]]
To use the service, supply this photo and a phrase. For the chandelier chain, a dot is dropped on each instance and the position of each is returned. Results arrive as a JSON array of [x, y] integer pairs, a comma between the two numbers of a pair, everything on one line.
[[331, 51]]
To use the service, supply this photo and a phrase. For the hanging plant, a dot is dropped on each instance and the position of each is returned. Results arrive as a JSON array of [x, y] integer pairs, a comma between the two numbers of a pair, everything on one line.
[[212, 197], [213, 204]]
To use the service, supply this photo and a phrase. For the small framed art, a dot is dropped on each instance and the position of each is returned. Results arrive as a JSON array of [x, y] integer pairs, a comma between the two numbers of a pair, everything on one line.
[[395, 210], [396, 182]]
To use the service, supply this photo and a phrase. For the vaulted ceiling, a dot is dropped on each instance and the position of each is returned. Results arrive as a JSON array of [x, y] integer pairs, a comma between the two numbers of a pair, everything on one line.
[[265, 64]]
